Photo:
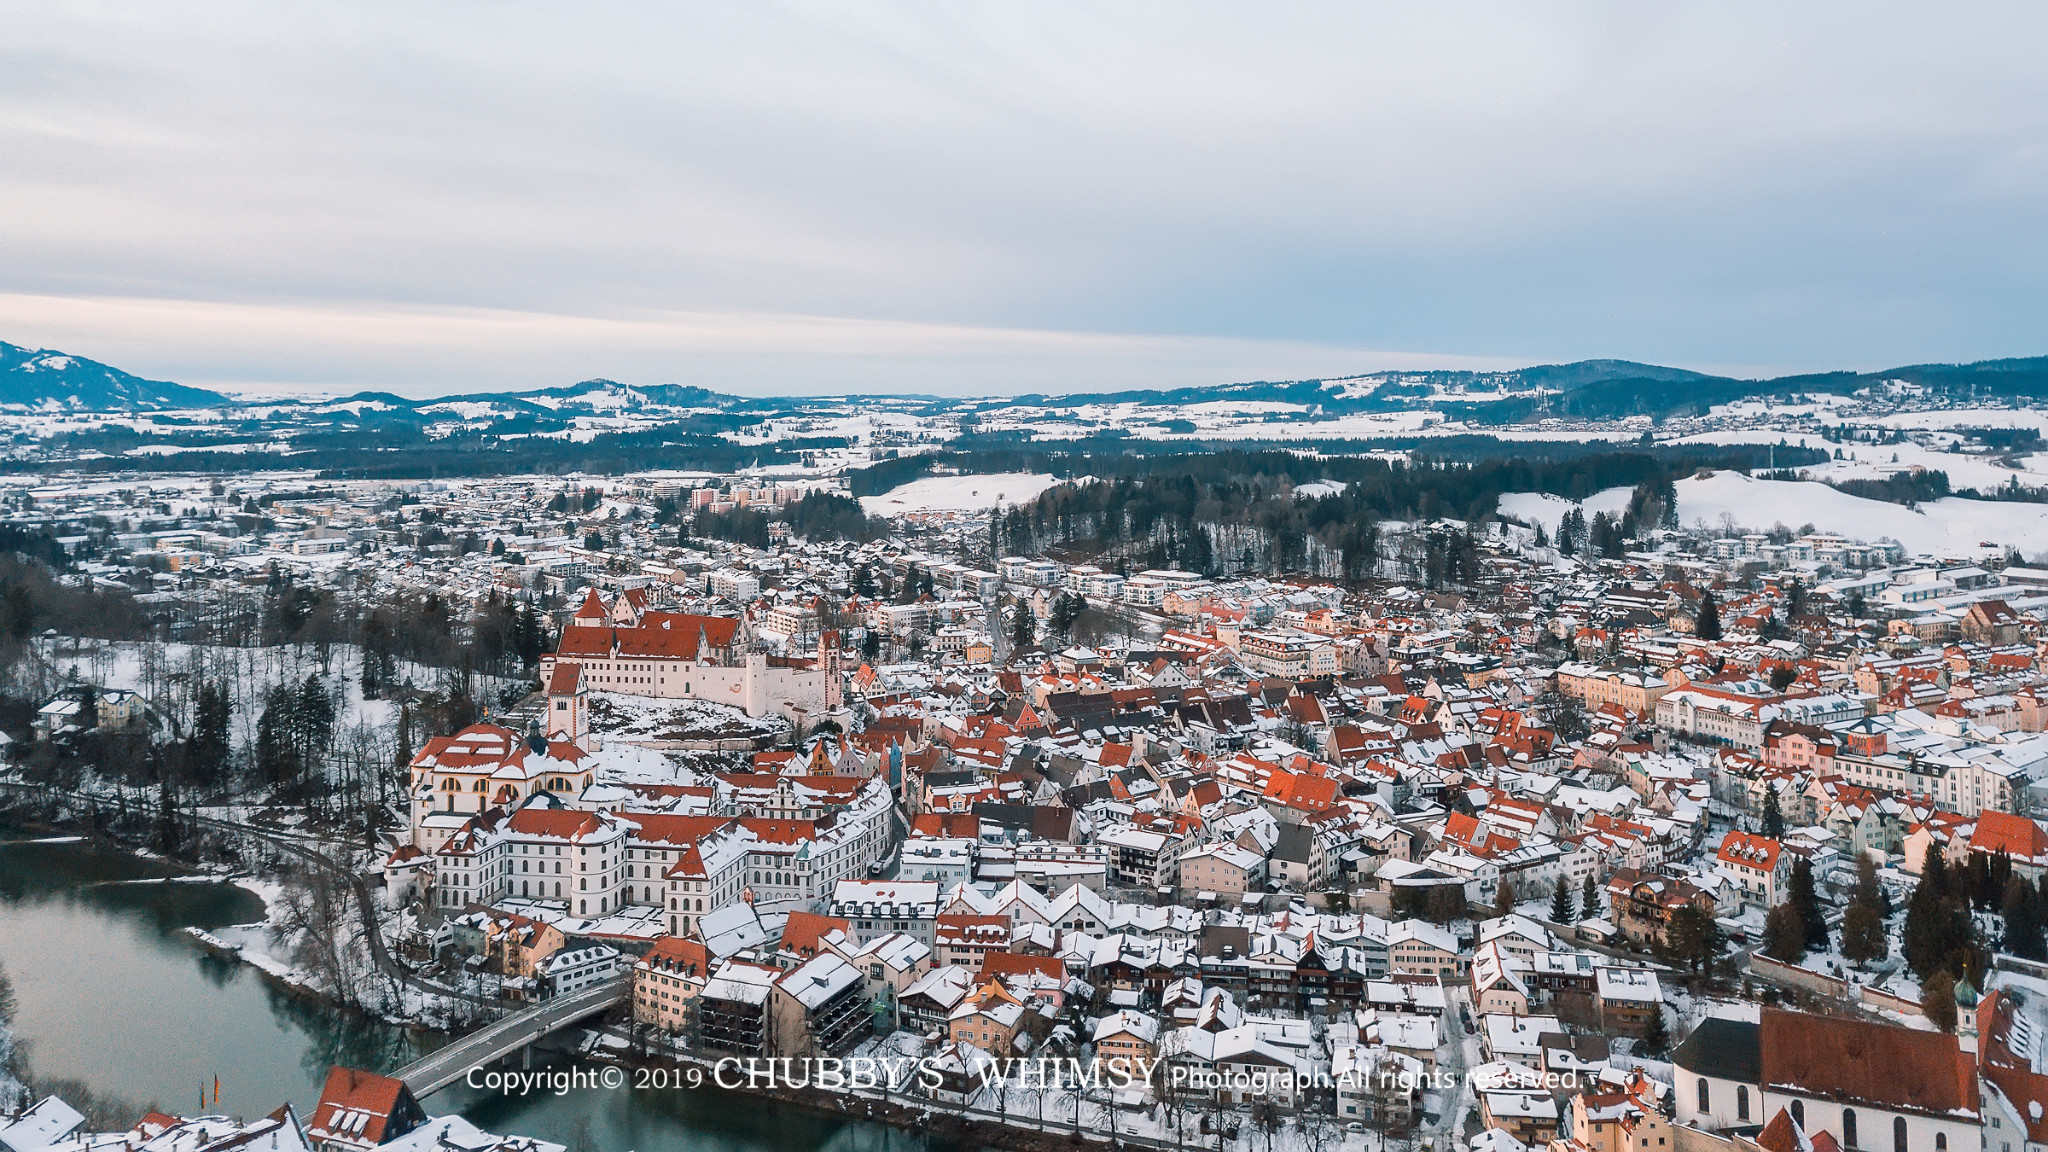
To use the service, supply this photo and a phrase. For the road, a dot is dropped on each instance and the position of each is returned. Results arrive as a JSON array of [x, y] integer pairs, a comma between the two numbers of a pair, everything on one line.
[[1455, 1066]]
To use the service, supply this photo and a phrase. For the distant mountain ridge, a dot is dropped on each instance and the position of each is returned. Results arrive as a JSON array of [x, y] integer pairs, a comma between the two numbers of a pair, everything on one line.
[[39, 378], [44, 379]]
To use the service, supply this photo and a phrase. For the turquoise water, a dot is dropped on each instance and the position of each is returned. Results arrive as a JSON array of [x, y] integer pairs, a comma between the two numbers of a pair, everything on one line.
[[114, 994]]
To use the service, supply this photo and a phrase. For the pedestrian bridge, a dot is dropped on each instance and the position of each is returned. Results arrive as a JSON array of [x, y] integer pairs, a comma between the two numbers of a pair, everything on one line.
[[437, 1070]]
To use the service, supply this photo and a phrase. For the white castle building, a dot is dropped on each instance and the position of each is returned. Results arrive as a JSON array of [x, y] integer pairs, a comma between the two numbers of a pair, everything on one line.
[[634, 651]]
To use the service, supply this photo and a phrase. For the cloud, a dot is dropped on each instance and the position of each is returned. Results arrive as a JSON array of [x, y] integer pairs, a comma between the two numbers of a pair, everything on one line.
[[1735, 183]]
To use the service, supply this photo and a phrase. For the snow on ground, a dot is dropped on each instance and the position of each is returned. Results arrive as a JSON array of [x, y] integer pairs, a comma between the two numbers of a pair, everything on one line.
[[1967, 418], [168, 673], [1536, 508], [1545, 509], [1875, 462], [1952, 525], [1320, 488], [237, 446], [959, 493], [633, 718]]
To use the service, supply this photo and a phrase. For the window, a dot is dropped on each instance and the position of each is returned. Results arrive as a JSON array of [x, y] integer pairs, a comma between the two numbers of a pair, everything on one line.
[[1898, 1134], [1799, 1113], [1848, 1128], [1742, 1101], [1704, 1106]]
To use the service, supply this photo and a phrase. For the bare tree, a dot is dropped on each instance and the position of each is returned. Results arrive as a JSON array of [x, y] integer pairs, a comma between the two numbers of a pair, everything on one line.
[[322, 933], [1172, 1092], [1318, 1131]]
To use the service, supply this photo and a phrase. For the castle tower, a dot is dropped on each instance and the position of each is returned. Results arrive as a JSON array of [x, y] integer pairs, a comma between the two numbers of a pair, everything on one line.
[[568, 715], [828, 663], [757, 683], [593, 613]]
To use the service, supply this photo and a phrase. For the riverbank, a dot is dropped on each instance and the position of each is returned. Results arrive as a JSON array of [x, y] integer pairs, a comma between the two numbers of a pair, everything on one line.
[[241, 945], [309, 939], [118, 998], [246, 945]]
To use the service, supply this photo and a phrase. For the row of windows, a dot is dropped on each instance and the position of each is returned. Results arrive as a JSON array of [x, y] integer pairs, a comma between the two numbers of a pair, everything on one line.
[[1851, 1137]]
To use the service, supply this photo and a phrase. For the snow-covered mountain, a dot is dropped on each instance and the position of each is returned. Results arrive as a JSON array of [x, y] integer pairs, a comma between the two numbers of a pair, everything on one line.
[[40, 379], [1382, 403]]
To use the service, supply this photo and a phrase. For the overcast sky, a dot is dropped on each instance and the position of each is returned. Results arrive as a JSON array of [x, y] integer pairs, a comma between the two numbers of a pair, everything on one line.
[[1036, 196]]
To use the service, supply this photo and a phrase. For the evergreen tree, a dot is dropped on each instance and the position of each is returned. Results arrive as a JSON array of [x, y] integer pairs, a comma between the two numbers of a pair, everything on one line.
[[1774, 817], [1561, 909], [529, 636], [1066, 608], [1504, 898], [207, 751], [1707, 625], [1863, 939], [277, 757], [1940, 932], [1023, 629], [313, 718], [1868, 890], [1589, 898], [1655, 1036], [2022, 910], [1938, 1000], [1805, 897], [1784, 934], [1692, 939]]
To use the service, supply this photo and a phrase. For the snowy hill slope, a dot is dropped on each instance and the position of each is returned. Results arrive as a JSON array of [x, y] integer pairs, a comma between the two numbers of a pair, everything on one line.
[[43, 379]]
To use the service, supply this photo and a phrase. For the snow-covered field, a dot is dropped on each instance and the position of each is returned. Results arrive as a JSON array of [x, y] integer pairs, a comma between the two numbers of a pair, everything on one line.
[[959, 493], [1545, 509], [1968, 418], [1315, 488], [1874, 462], [1951, 525], [1732, 500]]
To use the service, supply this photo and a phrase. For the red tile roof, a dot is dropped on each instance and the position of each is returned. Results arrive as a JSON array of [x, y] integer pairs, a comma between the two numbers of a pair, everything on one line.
[[2016, 836], [678, 955], [661, 635], [1759, 852], [1859, 1062], [356, 1106], [564, 680], [803, 930]]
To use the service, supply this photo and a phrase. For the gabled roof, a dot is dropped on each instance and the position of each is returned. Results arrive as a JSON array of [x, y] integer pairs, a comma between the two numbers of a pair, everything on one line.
[[2016, 836], [1857, 1062], [357, 1106], [802, 931], [565, 679], [661, 635], [1723, 1050], [1748, 850]]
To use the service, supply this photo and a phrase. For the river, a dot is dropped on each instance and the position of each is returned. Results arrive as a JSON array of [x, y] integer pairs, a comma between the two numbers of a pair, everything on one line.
[[114, 994]]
